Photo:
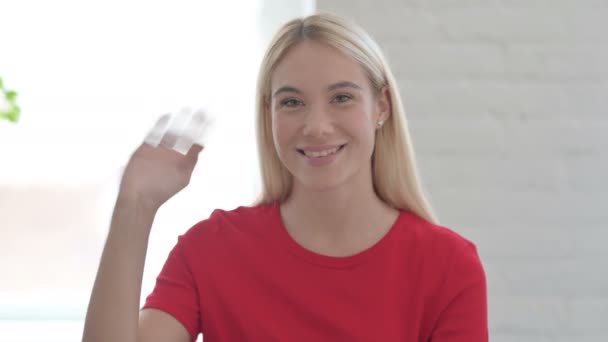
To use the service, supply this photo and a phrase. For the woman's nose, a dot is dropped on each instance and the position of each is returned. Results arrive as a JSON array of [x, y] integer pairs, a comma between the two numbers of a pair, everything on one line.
[[317, 124]]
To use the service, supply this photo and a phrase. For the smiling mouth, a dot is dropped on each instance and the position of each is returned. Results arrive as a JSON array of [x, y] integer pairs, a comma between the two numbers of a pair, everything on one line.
[[320, 154]]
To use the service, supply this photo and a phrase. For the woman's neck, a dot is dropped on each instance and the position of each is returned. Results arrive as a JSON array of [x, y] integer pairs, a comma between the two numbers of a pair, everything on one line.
[[347, 217]]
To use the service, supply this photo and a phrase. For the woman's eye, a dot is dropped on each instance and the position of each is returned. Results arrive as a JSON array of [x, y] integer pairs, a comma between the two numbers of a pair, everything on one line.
[[342, 98], [290, 103]]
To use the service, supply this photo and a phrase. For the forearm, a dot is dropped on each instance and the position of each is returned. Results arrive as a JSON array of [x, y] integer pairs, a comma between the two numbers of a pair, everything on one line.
[[114, 305]]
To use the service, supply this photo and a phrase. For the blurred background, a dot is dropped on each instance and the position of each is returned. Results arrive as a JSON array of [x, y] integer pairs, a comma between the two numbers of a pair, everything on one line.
[[507, 102]]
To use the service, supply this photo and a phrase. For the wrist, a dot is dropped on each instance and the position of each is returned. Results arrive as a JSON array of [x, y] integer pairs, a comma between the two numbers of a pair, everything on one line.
[[137, 203]]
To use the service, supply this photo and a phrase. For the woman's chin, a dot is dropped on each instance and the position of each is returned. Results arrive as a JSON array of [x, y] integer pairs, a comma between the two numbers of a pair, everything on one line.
[[321, 184]]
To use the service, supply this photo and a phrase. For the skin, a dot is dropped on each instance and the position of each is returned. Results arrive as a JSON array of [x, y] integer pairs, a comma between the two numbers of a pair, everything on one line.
[[320, 97], [333, 209], [152, 176]]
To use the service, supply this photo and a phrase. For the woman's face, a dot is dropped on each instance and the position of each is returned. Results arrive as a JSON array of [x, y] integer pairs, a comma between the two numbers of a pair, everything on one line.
[[324, 116]]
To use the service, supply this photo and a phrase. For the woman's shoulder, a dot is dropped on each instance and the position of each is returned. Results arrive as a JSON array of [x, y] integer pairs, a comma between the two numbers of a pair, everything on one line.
[[437, 239], [452, 260], [243, 219], [240, 214]]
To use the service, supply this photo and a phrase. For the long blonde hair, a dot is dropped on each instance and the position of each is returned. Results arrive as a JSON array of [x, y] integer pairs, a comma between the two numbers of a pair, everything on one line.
[[394, 169]]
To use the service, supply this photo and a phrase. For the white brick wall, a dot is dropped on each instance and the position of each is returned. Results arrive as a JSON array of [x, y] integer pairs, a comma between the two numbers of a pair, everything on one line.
[[508, 106]]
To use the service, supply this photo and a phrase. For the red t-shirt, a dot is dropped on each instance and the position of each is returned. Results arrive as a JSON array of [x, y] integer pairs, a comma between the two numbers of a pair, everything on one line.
[[239, 276]]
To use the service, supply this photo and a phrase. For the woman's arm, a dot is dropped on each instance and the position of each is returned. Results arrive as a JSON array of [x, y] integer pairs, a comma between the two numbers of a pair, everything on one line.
[[464, 317], [152, 176], [114, 306]]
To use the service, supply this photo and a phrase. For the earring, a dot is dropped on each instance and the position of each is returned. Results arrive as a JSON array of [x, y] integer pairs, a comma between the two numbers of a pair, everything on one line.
[[380, 123]]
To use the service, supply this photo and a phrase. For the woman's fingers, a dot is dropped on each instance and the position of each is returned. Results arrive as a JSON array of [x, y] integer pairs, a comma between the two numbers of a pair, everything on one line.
[[179, 132]]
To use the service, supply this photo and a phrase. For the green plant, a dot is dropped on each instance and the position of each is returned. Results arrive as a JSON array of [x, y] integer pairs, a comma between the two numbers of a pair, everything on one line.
[[12, 112]]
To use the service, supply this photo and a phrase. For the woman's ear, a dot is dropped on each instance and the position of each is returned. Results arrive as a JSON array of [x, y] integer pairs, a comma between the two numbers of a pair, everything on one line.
[[383, 104]]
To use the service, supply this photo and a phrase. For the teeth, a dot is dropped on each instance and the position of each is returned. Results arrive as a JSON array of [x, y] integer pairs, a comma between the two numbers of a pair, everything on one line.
[[321, 153]]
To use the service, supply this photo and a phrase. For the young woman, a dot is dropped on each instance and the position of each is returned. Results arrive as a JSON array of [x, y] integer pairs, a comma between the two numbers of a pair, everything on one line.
[[342, 245]]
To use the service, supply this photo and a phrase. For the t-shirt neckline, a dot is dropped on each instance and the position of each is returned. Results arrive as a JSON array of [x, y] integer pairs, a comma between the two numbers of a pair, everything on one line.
[[285, 239]]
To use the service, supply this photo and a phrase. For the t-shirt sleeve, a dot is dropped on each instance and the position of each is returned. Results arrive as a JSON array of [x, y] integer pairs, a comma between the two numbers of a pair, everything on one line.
[[464, 314], [175, 291]]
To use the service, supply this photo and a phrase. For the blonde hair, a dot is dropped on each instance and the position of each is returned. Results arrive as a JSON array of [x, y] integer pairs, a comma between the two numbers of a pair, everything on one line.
[[394, 170]]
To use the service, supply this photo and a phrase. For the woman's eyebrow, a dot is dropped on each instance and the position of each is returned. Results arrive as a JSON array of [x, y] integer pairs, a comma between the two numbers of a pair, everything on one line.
[[287, 89], [292, 89], [343, 84]]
